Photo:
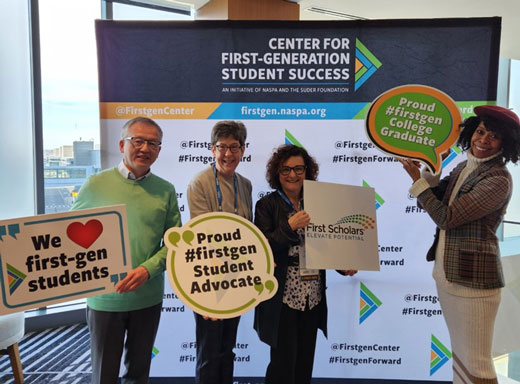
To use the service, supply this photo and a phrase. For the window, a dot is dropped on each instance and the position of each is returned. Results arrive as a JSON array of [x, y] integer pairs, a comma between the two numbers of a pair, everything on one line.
[[70, 109], [135, 12], [16, 133], [70, 92], [69, 98], [512, 217]]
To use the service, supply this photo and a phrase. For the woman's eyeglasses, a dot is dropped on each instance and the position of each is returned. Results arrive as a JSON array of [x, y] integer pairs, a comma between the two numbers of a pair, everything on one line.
[[234, 148], [299, 170]]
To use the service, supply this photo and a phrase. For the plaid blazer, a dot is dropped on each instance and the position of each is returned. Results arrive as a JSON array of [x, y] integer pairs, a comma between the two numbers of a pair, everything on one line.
[[471, 253]]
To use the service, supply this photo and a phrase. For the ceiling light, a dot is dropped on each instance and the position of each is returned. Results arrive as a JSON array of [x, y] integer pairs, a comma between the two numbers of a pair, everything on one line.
[[184, 5], [330, 12]]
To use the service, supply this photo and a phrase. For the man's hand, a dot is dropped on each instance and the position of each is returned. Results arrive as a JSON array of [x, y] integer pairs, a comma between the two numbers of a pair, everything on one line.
[[135, 278]]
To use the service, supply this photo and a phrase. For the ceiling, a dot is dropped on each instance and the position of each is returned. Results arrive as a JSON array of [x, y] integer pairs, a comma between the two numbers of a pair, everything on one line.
[[509, 10]]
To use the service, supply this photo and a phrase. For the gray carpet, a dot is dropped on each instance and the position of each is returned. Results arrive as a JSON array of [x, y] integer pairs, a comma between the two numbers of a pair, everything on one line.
[[58, 356]]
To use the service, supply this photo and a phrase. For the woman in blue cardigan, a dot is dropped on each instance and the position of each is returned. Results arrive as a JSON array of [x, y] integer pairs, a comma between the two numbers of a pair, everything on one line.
[[467, 207], [289, 321]]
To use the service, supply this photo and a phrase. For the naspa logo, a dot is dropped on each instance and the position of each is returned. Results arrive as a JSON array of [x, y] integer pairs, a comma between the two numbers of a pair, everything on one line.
[[368, 302], [439, 355], [14, 277], [290, 139], [366, 64], [379, 200], [454, 152]]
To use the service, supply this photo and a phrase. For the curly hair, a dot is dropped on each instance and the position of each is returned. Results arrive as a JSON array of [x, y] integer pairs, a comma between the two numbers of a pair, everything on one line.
[[509, 135], [281, 155]]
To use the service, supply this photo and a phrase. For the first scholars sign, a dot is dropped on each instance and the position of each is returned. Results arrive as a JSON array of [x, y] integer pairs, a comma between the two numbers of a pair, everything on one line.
[[49, 259]]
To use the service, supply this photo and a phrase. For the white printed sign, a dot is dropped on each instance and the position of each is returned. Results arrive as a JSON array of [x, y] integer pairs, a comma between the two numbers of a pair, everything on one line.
[[49, 259], [343, 232]]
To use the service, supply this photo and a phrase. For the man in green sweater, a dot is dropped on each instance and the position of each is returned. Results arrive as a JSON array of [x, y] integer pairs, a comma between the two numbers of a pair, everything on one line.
[[151, 207]]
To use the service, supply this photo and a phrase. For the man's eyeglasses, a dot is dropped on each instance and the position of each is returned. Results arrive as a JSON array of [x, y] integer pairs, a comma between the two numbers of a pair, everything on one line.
[[222, 148], [299, 170], [138, 142]]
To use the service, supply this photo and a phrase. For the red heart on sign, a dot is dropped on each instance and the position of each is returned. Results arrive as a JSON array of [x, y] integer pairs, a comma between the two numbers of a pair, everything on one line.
[[85, 235]]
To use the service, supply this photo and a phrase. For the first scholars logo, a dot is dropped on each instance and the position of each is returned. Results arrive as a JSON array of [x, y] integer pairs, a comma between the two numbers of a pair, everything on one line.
[[351, 227], [220, 265]]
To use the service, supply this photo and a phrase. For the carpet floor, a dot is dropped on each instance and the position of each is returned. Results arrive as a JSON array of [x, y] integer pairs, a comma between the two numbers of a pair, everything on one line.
[[59, 356]]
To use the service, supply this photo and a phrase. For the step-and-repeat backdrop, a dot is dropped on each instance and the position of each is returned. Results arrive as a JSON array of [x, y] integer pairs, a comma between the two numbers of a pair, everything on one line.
[[310, 84]]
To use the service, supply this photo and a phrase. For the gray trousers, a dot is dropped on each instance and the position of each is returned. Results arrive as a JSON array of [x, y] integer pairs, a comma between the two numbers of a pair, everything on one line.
[[111, 333]]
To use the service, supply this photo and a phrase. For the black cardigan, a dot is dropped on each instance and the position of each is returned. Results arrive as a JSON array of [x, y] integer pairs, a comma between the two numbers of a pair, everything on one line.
[[271, 214]]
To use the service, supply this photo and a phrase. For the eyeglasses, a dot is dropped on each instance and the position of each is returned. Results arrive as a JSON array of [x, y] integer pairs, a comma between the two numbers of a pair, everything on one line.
[[222, 148], [299, 170], [138, 142]]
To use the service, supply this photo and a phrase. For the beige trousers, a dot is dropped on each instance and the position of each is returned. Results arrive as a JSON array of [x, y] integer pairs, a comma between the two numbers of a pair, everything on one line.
[[471, 322]]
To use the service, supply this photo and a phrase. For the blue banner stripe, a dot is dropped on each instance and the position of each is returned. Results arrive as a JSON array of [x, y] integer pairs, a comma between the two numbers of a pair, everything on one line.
[[287, 111], [367, 313], [366, 76], [437, 350], [438, 365], [363, 59], [367, 299]]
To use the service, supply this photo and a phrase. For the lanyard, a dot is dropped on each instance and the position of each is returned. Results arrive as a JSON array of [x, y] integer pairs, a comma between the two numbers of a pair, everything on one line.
[[286, 199], [301, 234], [219, 191]]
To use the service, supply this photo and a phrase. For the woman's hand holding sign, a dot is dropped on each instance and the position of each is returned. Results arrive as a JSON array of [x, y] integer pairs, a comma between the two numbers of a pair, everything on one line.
[[299, 220], [412, 167]]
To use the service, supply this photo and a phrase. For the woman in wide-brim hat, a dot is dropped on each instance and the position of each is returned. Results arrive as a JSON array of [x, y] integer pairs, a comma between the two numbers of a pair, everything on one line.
[[467, 206]]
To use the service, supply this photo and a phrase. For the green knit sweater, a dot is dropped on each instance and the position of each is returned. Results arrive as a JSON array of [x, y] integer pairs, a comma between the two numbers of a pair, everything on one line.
[[151, 209]]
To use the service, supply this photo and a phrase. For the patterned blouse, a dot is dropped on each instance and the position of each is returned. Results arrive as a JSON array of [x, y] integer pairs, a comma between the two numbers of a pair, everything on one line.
[[300, 294]]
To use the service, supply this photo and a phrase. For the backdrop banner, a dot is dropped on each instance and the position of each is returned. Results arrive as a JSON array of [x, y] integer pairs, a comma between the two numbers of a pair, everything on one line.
[[309, 84]]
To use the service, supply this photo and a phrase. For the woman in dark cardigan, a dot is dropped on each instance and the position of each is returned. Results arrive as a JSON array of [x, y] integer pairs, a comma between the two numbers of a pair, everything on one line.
[[289, 321]]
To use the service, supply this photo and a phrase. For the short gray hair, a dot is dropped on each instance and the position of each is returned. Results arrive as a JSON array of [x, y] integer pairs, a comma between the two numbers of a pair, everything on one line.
[[140, 119], [227, 128]]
